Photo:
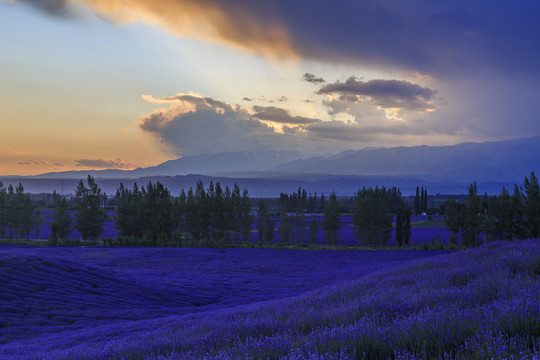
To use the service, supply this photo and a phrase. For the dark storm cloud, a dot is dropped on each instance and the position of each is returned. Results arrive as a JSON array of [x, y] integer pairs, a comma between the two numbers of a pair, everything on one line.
[[275, 114], [312, 78], [103, 164], [435, 37], [384, 93]]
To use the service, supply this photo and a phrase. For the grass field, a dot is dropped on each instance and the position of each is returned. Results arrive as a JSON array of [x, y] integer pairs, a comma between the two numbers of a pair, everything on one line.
[[124, 303]]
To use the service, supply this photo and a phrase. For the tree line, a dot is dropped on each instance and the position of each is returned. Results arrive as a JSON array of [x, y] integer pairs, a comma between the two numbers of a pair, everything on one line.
[[501, 217], [151, 215], [18, 214]]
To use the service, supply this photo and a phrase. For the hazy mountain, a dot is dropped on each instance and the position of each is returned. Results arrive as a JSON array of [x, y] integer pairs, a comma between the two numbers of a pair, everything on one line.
[[222, 162], [204, 164], [442, 169], [490, 161], [264, 184]]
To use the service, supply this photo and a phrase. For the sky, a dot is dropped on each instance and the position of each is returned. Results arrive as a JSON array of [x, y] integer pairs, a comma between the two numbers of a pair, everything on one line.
[[98, 84]]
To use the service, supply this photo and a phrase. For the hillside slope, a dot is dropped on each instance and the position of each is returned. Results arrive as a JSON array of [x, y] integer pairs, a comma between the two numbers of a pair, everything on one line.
[[481, 304]]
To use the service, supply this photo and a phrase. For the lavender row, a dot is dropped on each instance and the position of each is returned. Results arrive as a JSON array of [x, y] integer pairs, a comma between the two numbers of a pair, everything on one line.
[[481, 304]]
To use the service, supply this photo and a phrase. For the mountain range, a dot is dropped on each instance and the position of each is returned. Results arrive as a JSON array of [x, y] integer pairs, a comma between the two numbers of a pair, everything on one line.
[[446, 169]]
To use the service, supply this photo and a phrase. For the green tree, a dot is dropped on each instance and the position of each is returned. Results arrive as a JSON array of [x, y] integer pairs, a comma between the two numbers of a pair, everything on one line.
[[234, 207], [26, 211], [519, 228], [265, 226], [417, 199], [192, 220], [11, 211], [473, 220], [394, 199], [312, 230], [179, 215], [498, 220], [229, 213], [20, 212], [453, 216], [202, 209], [62, 218], [245, 220], [129, 217], [372, 218], [37, 220], [285, 226], [424, 200], [407, 225], [218, 212], [403, 225], [3, 210], [532, 206], [299, 223], [331, 223], [90, 217], [158, 212]]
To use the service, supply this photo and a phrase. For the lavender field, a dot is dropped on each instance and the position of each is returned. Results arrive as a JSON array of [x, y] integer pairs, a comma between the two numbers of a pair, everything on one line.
[[181, 303]]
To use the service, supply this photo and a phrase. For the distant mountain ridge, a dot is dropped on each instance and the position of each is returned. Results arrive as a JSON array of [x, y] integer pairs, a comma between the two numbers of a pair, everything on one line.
[[509, 160], [443, 169], [203, 164]]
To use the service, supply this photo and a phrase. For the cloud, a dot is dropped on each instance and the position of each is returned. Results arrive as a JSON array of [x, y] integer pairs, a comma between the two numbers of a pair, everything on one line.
[[312, 78], [104, 164], [360, 133], [279, 115], [195, 124], [451, 38], [383, 93], [247, 99], [39, 163], [59, 8], [231, 23]]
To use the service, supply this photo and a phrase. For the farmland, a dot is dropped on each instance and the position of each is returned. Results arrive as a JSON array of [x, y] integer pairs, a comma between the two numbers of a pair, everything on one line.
[[156, 303]]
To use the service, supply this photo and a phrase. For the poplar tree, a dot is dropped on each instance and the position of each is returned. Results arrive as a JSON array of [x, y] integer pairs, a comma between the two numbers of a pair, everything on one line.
[[158, 212], [407, 226], [245, 219], [265, 226], [403, 226], [90, 218], [417, 201], [372, 218], [62, 218], [299, 223], [312, 230], [532, 206], [518, 229], [331, 223], [472, 225], [3, 210], [129, 217], [285, 226]]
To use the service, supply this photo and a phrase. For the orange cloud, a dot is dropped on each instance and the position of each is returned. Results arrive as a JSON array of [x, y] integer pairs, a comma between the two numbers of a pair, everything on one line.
[[214, 21]]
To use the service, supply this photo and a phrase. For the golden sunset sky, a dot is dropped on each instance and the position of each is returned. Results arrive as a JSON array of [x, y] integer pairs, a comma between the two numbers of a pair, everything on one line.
[[97, 84]]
